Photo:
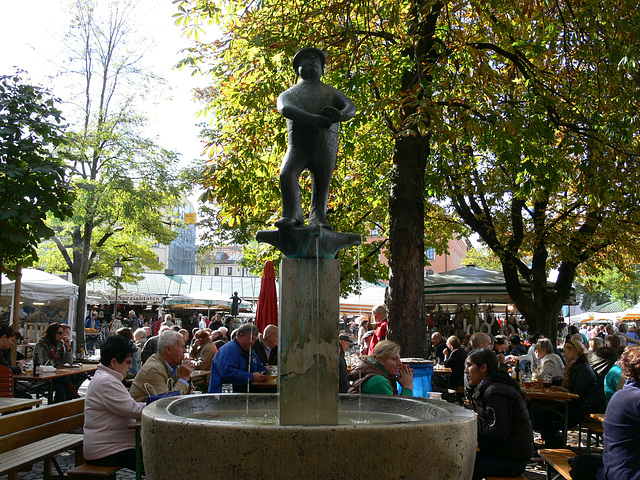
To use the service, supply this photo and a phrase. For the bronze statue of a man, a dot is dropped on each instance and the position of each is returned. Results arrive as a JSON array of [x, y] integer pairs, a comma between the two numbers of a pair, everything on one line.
[[313, 111]]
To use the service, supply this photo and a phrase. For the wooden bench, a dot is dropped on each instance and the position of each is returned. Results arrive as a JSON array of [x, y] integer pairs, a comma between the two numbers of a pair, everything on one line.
[[91, 472], [592, 427], [40, 434], [557, 461]]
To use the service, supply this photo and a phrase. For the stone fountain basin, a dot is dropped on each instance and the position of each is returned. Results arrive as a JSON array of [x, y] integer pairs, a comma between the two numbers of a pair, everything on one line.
[[439, 444]]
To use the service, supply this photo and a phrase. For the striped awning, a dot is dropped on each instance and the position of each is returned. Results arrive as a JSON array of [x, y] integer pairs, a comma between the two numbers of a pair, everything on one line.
[[473, 285]]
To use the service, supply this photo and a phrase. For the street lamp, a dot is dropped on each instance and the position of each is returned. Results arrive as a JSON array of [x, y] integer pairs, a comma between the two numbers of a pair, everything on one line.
[[117, 272]]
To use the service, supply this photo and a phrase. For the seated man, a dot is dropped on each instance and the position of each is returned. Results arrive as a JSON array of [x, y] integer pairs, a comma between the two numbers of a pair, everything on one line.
[[267, 345], [231, 363], [151, 346], [164, 371]]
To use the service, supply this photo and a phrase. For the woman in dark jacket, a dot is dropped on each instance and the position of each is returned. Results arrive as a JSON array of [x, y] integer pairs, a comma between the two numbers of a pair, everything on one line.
[[455, 357], [505, 434], [580, 379]]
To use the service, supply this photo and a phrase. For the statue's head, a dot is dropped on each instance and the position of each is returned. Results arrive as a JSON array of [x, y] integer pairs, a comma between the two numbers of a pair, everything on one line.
[[309, 52]]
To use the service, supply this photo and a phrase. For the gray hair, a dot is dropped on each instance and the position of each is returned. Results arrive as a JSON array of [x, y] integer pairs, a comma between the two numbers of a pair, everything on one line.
[[546, 344], [168, 338], [245, 328], [379, 309], [140, 333], [623, 328]]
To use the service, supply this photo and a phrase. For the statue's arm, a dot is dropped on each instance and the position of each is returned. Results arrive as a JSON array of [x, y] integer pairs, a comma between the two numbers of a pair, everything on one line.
[[346, 106], [343, 108], [288, 108]]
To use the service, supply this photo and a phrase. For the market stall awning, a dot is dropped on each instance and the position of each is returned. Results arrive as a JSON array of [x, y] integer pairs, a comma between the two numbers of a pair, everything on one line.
[[473, 285], [205, 298]]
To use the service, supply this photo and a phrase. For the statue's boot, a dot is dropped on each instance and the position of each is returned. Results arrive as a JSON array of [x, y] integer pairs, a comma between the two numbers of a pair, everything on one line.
[[288, 222]]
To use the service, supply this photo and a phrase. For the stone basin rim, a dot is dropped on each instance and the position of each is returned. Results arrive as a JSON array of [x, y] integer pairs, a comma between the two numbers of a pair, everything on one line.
[[163, 410]]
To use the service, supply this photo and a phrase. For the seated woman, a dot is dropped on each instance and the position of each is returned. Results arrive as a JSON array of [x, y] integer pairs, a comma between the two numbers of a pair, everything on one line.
[[203, 350], [549, 364], [621, 455], [455, 357], [51, 350], [579, 378], [109, 409], [377, 374], [505, 434], [8, 339]]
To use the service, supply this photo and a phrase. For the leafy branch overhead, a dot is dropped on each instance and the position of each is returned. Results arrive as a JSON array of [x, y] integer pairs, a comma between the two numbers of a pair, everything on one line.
[[521, 120], [32, 169]]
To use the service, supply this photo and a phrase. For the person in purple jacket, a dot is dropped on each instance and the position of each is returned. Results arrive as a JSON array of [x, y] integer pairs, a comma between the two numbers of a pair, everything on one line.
[[621, 454]]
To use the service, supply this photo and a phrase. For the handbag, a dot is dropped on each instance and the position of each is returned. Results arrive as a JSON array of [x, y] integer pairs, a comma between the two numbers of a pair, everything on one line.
[[157, 396]]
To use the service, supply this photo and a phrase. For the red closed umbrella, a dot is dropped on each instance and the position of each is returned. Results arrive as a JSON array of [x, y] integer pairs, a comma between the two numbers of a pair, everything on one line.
[[267, 309]]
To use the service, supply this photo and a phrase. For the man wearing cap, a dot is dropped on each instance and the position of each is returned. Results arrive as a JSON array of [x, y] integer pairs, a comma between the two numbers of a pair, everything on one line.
[[313, 111]]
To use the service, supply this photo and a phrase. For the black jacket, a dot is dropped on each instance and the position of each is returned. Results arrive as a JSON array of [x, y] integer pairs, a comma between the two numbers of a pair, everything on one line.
[[258, 347], [583, 382], [456, 363], [504, 426]]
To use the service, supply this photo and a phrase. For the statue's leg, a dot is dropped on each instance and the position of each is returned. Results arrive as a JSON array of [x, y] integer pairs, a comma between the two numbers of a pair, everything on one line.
[[290, 190], [321, 171]]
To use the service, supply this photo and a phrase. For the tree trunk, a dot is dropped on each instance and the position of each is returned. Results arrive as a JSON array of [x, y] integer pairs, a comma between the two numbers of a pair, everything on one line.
[[406, 247], [80, 274]]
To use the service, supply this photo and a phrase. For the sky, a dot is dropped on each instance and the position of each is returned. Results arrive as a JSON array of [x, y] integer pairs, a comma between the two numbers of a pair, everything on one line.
[[31, 39]]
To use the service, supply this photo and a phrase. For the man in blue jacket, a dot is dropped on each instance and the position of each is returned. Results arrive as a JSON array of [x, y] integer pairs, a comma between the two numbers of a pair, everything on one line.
[[231, 363]]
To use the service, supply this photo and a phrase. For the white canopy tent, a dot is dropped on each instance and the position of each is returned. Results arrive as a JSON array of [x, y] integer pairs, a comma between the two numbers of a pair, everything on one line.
[[360, 304], [39, 286]]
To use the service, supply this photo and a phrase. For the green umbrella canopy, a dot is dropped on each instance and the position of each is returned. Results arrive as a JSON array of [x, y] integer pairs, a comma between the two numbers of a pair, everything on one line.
[[472, 285]]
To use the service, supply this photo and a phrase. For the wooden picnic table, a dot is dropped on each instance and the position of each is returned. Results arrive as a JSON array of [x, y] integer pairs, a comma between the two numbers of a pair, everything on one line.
[[269, 386], [10, 404], [554, 394], [41, 384], [598, 416]]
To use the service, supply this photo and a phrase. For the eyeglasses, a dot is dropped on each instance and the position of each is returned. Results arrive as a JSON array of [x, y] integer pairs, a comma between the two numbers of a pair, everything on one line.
[[60, 332]]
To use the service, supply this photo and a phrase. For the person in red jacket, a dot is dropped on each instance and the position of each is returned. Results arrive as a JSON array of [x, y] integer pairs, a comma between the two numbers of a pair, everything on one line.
[[379, 313]]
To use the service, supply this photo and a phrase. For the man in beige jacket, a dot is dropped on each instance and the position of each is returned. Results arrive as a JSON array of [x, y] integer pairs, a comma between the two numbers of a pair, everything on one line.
[[164, 371]]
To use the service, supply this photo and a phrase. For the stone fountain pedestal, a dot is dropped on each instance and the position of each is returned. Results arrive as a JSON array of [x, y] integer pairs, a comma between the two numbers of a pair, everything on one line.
[[308, 341]]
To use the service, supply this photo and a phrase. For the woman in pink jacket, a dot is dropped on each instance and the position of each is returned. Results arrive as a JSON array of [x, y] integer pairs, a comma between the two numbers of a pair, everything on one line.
[[109, 409]]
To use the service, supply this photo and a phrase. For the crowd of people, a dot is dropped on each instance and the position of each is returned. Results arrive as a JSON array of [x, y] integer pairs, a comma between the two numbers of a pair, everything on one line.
[[600, 365]]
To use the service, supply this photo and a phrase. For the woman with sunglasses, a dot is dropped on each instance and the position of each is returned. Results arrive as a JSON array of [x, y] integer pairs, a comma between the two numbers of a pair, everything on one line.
[[51, 350]]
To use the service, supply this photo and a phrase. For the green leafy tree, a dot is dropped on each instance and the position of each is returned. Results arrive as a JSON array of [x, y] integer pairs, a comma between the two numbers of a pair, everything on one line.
[[482, 257], [535, 149], [32, 169], [518, 119], [126, 185], [380, 55]]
